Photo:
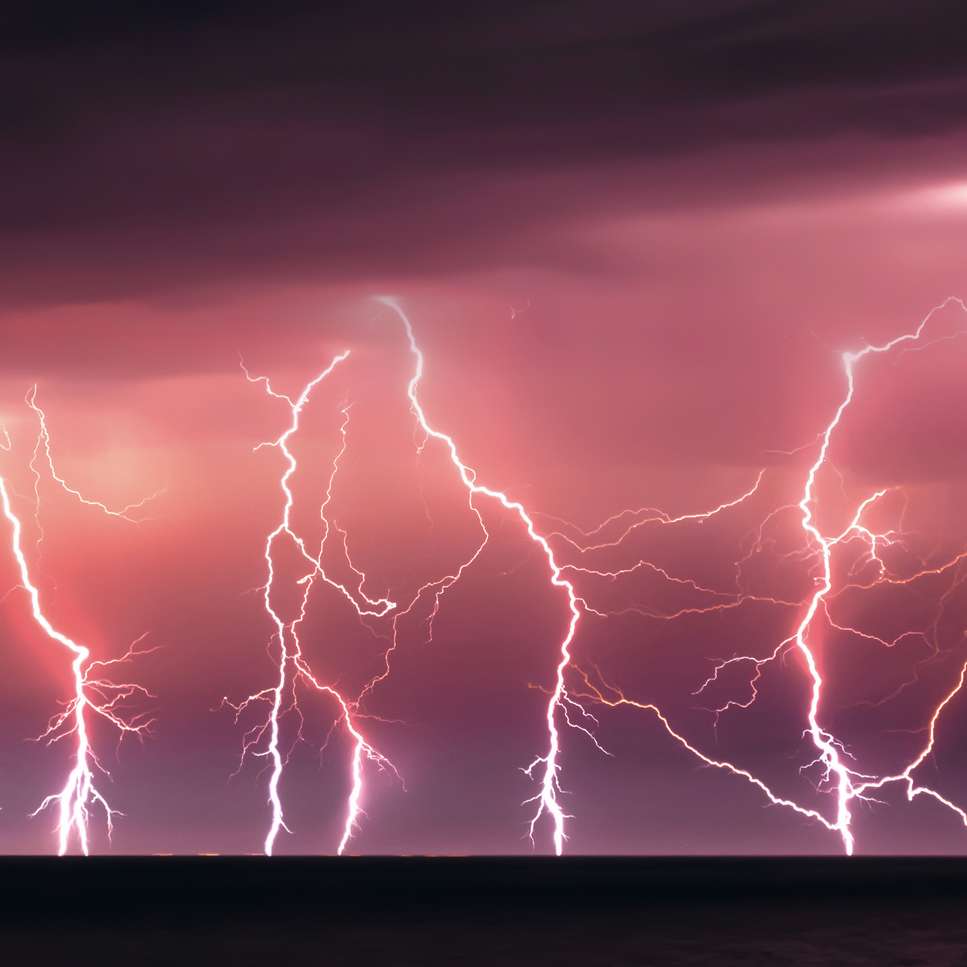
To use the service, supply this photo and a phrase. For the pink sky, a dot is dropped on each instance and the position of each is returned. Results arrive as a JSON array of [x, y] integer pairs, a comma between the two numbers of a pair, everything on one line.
[[618, 309]]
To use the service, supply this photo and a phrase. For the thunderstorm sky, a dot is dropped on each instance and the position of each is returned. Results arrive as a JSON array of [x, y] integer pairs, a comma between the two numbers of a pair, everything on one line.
[[634, 241]]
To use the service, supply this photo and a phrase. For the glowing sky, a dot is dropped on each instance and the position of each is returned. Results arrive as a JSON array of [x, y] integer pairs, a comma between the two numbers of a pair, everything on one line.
[[634, 244]]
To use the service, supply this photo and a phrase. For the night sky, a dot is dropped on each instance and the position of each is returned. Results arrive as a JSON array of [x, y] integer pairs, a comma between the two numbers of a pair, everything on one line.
[[634, 241]]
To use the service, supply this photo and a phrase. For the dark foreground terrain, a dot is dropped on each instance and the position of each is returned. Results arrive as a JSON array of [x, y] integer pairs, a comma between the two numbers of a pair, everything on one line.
[[422, 911]]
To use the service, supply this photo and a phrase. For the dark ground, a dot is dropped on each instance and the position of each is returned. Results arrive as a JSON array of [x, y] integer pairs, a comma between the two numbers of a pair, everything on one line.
[[422, 911]]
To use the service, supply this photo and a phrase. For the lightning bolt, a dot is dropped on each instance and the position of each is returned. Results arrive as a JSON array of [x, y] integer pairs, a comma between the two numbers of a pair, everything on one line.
[[293, 667], [848, 783], [547, 764], [96, 695], [828, 749]]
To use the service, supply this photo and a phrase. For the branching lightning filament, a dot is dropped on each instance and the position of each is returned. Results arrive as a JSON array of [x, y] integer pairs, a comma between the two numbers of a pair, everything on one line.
[[96, 695]]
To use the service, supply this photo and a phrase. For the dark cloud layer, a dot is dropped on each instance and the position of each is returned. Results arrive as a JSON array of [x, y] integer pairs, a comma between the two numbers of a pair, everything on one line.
[[186, 143]]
